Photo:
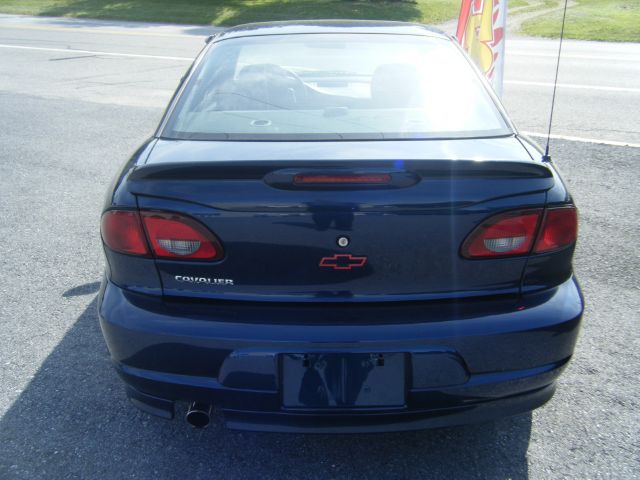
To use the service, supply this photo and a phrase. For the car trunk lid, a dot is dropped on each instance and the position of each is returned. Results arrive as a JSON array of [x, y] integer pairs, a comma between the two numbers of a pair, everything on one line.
[[394, 236]]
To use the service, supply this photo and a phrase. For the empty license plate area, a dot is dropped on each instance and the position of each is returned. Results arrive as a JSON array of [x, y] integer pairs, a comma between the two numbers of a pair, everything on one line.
[[343, 380]]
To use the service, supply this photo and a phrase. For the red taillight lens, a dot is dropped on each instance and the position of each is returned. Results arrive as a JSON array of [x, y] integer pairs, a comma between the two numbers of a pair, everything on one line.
[[122, 231], [177, 237], [168, 234], [514, 233], [559, 229], [507, 234]]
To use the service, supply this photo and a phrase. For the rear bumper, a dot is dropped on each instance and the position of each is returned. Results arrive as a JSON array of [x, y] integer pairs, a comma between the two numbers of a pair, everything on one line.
[[468, 361]]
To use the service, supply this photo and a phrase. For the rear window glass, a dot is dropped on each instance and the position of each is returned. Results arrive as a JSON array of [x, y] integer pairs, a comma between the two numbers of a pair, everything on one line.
[[332, 87]]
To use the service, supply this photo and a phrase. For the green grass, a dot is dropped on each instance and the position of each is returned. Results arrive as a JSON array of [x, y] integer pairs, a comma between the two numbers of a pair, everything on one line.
[[607, 20], [232, 12], [613, 20]]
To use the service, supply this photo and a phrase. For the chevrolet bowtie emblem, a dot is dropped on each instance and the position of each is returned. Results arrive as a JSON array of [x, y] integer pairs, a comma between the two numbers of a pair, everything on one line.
[[343, 261]]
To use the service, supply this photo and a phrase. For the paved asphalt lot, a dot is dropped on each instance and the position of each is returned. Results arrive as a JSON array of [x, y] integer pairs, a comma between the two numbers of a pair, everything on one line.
[[67, 122]]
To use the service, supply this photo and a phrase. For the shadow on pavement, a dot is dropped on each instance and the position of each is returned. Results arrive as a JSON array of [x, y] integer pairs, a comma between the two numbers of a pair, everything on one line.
[[86, 289], [73, 420]]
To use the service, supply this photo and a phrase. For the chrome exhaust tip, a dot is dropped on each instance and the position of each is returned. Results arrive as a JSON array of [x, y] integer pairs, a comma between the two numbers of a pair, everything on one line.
[[199, 414]]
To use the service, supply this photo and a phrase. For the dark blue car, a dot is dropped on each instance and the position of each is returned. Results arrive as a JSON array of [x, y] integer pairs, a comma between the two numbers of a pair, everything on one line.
[[336, 228]]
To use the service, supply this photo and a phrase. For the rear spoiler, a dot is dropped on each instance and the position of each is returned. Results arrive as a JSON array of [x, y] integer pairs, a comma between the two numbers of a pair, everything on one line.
[[255, 170]]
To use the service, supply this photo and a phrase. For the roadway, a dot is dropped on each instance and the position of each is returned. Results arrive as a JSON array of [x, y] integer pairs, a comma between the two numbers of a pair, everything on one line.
[[77, 97], [598, 96]]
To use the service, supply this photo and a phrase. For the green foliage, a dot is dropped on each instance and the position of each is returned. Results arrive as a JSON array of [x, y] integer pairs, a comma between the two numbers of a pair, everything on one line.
[[231, 12], [616, 20]]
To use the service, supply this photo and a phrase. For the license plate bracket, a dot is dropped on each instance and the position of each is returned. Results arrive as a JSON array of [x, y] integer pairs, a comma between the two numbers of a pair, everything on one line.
[[343, 380]]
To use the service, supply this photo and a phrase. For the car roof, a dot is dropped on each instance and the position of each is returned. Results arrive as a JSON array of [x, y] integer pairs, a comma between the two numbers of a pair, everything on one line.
[[329, 26]]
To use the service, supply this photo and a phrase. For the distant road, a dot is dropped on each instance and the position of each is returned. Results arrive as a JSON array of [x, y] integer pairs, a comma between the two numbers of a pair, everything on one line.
[[598, 88], [598, 95]]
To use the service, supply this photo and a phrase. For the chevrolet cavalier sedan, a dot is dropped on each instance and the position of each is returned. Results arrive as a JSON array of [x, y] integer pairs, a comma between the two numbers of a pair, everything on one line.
[[337, 228]]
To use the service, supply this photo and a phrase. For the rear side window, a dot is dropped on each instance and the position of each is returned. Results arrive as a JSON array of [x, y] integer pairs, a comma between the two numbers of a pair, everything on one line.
[[333, 87]]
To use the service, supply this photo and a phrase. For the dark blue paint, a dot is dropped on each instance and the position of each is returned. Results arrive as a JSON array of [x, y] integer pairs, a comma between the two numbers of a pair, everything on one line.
[[478, 341], [228, 353], [460, 340]]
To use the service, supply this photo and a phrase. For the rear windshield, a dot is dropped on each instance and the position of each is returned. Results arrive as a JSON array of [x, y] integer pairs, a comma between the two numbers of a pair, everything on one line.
[[332, 87]]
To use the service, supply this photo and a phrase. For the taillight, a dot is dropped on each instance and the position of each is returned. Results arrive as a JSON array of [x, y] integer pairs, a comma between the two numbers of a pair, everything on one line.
[[342, 179], [522, 232], [506, 234], [559, 229], [169, 235], [122, 231], [179, 237]]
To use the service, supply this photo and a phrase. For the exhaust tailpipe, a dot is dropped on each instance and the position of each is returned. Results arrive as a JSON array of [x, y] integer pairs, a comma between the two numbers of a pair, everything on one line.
[[199, 414]]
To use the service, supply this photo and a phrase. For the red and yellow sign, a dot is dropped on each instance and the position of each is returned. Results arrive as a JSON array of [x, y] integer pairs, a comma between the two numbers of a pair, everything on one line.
[[481, 28]]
